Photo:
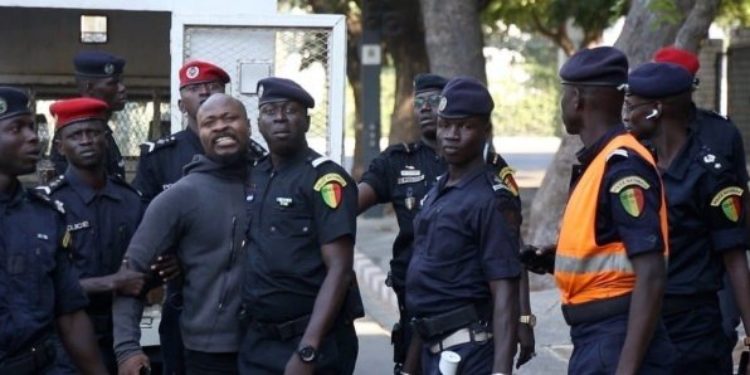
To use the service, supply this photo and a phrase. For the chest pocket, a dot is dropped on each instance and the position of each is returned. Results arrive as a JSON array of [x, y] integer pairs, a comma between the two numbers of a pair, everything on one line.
[[29, 263], [291, 222]]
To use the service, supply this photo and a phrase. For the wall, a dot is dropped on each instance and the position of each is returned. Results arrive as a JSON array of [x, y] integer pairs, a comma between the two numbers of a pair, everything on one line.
[[738, 78]]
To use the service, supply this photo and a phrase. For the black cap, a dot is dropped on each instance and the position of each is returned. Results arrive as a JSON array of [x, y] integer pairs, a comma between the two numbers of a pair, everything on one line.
[[465, 97], [98, 64], [13, 102], [659, 80], [429, 81], [274, 89], [601, 66]]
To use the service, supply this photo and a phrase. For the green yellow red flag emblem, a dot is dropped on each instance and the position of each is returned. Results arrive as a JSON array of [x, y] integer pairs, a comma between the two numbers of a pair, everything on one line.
[[632, 200], [506, 176], [728, 199], [331, 187]]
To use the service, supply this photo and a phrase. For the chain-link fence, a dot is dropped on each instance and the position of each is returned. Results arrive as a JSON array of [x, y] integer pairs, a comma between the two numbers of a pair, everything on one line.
[[249, 53]]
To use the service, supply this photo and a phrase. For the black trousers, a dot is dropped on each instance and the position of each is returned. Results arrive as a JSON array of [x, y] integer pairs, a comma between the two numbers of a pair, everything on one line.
[[202, 363], [260, 355]]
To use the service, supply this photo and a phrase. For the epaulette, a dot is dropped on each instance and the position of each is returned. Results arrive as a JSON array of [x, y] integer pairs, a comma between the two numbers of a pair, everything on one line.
[[43, 198], [496, 160], [617, 154], [712, 162], [121, 181], [718, 115], [57, 183], [319, 161], [149, 147], [499, 186], [256, 149], [402, 147]]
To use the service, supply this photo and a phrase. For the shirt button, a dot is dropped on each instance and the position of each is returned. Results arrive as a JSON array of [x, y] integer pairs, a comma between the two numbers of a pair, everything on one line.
[[273, 229], [305, 229]]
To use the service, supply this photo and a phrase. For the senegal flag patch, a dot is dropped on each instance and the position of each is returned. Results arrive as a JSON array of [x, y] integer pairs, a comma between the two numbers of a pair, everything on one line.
[[632, 200], [729, 201], [506, 176], [330, 186]]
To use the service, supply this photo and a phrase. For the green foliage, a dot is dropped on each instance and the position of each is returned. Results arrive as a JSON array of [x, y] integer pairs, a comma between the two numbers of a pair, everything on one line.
[[734, 13]]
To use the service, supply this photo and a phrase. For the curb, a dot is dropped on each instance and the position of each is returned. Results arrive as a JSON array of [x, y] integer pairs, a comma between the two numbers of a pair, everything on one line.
[[371, 276]]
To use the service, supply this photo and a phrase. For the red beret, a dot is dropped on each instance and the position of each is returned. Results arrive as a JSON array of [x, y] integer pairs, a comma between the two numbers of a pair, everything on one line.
[[70, 111], [197, 71], [674, 55]]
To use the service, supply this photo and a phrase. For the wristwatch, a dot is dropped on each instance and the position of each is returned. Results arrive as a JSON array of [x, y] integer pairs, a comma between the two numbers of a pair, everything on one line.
[[528, 319], [307, 354]]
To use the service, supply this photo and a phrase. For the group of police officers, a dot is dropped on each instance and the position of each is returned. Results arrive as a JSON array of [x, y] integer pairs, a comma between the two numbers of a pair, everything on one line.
[[256, 246]]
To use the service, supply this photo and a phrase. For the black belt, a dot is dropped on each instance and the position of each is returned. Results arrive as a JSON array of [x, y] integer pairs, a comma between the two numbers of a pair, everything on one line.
[[283, 331], [595, 311], [31, 360], [674, 304], [437, 326]]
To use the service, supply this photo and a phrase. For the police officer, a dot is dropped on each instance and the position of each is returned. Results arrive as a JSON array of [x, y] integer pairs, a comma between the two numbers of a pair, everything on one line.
[[462, 281], [98, 75], [102, 213], [722, 137], [706, 216], [38, 289], [160, 166], [298, 291], [202, 217], [610, 260], [402, 175]]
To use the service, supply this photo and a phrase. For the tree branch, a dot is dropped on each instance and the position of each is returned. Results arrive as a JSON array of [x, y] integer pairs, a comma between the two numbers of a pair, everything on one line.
[[695, 28]]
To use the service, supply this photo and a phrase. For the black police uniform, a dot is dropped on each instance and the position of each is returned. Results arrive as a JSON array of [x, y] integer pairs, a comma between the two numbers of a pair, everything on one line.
[[706, 218], [37, 282], [295, 209], [101, 224], [466, 236]]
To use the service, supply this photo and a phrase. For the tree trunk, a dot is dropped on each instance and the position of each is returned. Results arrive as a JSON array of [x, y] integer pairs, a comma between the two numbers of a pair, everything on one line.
[[407, 47], [644, 32], [454, 38]]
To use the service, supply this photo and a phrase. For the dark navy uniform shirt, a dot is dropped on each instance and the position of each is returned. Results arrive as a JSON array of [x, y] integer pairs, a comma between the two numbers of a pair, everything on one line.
[[101, 224], [36, 280], [722, 137], [466, 235], [294, 210], [402, 175], [639, 231], [115, 164], [706, 217], [162, 161]]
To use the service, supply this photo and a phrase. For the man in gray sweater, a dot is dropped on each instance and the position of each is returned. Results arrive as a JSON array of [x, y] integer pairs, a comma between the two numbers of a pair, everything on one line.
[[203, 216]]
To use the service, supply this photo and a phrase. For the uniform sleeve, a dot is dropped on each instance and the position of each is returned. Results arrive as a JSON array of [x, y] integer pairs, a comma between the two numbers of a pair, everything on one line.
[[499, 233], [378, 177], [723, 199], [633, 191], [144, 179], [335, 205], [69, 296], [157, 232], [738, 158]]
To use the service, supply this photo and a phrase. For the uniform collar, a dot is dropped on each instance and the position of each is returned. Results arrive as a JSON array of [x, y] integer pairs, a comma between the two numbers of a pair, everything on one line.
[[587, 154], [303, 155], [681, 164], [465, 180], [85, 191]]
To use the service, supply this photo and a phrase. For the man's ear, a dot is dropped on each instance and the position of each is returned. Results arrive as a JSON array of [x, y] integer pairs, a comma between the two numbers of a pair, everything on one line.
[[577, 99], [307, 123], [181, 106], [57, 143]]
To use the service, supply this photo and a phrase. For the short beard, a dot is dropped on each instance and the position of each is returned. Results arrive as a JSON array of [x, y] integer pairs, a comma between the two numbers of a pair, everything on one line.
[[237, 158]]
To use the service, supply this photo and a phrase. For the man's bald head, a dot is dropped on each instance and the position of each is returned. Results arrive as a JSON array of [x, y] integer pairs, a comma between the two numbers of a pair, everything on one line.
[[223, 128]]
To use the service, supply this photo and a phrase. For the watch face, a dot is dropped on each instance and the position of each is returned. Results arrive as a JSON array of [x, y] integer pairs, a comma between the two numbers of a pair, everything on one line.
[[307, 354]]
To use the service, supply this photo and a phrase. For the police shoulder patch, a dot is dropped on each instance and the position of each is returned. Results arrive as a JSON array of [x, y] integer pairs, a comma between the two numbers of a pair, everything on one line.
[[729, 199], [625, 182], [506, 176], [330, 186]]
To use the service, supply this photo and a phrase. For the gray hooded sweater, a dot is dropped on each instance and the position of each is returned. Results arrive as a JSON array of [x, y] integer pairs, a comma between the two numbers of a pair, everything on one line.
[[203, 216]]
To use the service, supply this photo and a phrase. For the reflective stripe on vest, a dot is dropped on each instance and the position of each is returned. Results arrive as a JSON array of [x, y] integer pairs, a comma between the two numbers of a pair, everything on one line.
[[584, 270]]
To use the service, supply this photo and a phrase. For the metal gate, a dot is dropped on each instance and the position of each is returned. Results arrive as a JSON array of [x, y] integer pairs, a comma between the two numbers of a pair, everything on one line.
[[310, 49]]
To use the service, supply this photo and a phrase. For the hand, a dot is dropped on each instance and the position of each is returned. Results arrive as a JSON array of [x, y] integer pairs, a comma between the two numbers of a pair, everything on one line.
[[295, 366], [128, 282], [539, 260], [526, 344], [133, 365], [167, 267]]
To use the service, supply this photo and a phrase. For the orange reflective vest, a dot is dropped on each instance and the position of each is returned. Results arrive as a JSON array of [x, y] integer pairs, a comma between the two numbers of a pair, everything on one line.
[[584, 270]]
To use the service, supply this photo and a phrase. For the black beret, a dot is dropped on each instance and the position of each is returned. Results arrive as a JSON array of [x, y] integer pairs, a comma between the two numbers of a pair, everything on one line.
[[428, 81], [98, 64], [465, 97], [13, 102], [659, 80], [274, 89], [601, 66]]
